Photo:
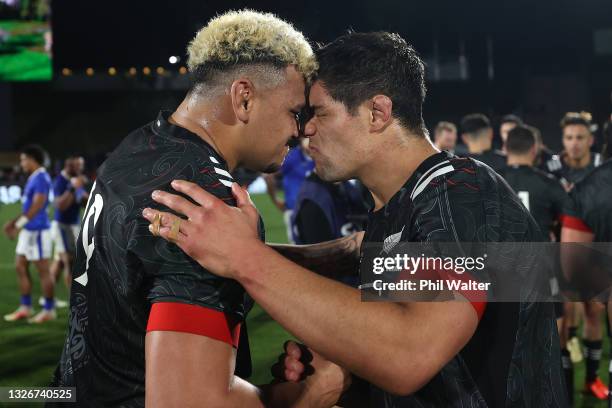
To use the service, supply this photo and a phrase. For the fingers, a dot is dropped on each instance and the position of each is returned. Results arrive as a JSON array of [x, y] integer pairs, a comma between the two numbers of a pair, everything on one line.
[[292, 349], [174, 202], [166, 225], [288, 369], [178, 238], [294, 369], [200, 196]]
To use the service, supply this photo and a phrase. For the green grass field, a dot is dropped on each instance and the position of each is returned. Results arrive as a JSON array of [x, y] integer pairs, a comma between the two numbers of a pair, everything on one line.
[[29, 354], [22, 55]]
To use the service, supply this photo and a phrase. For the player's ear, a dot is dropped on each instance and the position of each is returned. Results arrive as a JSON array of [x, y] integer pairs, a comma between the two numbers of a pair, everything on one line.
[[380, 112], [241, 93]]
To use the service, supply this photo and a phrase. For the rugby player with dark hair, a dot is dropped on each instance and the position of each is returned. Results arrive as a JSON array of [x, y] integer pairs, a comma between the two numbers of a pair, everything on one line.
[[576, 159], [34, 237], [148, 325], [477, 134], [589, 219], [507, 123], [367, 124], [70, 195], [546, 199], [571, 166]]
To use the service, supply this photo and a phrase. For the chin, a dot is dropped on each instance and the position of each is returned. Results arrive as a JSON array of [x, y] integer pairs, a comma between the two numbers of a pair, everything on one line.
[[329, 175], [271, 168]]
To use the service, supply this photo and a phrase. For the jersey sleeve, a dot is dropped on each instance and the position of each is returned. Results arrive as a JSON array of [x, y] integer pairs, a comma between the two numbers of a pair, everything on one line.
[[186, 297], [41, 185], [59, 186], [573, 213], [446, 231]]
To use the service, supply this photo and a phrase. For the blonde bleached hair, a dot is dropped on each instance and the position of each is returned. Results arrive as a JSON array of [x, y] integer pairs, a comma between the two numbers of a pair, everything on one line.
[[247, 37]]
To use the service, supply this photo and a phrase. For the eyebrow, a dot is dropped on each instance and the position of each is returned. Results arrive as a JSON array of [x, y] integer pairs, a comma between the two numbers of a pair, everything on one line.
[[316, 107], [298, 106]]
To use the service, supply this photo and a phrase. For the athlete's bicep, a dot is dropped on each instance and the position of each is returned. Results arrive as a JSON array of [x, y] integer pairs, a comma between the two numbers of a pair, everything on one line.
[[186, 370], [439, 330]]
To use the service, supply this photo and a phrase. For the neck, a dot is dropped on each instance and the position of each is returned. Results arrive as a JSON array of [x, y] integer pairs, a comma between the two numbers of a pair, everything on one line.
[[578, 163], [203, 120], [394, 165], [519, 160], [478, 146]]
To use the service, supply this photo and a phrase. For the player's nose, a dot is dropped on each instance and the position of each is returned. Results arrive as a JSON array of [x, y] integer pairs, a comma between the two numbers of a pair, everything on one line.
[[309, 129]]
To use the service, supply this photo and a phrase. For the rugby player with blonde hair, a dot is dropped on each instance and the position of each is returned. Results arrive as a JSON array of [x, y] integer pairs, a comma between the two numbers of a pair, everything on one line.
[[140, 308]]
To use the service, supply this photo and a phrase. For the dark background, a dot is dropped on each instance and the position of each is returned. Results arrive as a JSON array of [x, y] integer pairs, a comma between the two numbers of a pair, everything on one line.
[[537, 59]]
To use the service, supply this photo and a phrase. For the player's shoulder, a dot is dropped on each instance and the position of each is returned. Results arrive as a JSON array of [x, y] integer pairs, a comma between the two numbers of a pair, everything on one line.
[[596, 178], [498, 153], [546, 177], [42, 176]]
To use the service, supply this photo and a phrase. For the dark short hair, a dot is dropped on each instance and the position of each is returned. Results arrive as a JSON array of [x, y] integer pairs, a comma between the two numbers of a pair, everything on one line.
[[576, 118], [520, 140], [536, 133], [475, 123], [35, 152], [358, 66], [511, 119]]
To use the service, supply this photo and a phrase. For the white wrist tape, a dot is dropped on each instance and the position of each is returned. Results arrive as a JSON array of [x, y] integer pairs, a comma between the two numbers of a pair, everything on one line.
[[21, 222]]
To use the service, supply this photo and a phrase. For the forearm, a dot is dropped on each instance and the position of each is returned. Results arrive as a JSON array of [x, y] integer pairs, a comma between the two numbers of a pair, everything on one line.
[[279, 395], [333, 259], [374, 340], [64, 201]]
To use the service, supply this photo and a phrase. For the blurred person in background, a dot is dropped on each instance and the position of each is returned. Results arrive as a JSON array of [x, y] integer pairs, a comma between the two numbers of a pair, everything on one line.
[[445, 136], [572, 165], [508, 122], [576, 159], [543, 153], [70, 195], [477, 134], [546, 199], [32, 228], [587, 220]]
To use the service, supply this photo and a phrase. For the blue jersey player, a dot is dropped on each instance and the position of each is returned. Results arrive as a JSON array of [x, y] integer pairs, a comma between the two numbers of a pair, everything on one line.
[[70, 194], [34, 237]]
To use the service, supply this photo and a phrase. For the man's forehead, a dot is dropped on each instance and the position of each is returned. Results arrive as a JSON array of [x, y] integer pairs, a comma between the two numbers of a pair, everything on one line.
[[575, 130], [318, 96]]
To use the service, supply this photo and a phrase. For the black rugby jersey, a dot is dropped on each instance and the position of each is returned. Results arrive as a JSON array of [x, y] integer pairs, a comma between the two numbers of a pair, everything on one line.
[[569, 175], [493, 158], [121, 270], [591, 204], [540, 192], [513, 358]]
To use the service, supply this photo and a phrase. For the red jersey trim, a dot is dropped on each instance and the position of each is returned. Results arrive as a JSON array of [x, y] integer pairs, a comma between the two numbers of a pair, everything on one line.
[[200, 320], [575, 223]]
